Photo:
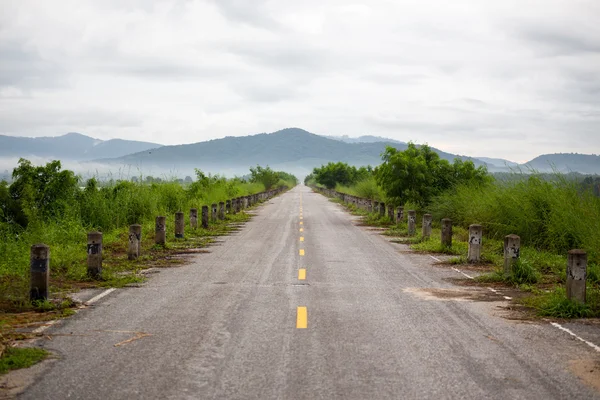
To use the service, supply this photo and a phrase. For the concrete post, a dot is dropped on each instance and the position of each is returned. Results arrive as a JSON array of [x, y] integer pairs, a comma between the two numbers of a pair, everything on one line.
[[512, 252], [94, 252], [475, 242], [382, 209], [39, 271], [427, 223], [391, 213], [194, 218], [412, 223], [135, 240], [228, 206], [447, 232], [160, 230], [213, 212], [576, 275], [221, 210], [179, 225], [205, 217], [399, 214]]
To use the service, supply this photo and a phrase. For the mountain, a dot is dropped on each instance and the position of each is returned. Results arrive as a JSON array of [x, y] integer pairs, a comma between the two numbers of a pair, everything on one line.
[[292, 149], [72, 146], [497, 162], [565, 162]]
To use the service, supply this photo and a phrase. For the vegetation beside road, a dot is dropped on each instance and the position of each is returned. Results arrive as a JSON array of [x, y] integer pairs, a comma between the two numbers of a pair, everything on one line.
[[45, 204], [551, 213]]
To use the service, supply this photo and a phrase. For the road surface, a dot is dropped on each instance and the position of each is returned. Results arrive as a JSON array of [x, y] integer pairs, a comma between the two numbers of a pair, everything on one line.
[[302, 303]]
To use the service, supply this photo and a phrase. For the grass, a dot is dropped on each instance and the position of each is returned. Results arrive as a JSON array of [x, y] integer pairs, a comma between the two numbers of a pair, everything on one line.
[[17, 358], [67, 237], [551, 217], [556, 305]]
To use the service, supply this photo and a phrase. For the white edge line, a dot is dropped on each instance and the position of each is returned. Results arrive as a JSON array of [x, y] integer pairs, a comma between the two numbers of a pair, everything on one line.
[[436, 259], [492, 290], [562, 328], [45, 326], [90, 301], [507, 298], [101, 295], [460, 272]]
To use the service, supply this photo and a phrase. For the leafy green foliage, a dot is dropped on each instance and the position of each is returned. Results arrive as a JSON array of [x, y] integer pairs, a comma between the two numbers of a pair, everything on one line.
[[39, 192], [270, 178], [418, 173], [340, 173]]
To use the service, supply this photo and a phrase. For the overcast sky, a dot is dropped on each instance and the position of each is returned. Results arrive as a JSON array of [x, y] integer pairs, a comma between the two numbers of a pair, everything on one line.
[[502, 78]]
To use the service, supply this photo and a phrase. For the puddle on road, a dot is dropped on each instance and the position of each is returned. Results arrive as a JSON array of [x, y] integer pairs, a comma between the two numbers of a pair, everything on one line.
[[454, 294]]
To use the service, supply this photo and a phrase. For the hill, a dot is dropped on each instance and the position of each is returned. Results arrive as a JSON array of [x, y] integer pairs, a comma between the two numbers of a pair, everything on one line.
[[72, 146], [292, 149], [566, 162]]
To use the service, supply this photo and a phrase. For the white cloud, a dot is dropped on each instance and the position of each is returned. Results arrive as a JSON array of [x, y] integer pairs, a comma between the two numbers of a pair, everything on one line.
[[500, 79]]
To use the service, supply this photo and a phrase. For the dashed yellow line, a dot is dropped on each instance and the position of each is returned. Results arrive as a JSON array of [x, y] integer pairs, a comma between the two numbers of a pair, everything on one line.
[[302, 238], [302, 318], [301, 223], [301, 229], [301, 252], [302, 274]]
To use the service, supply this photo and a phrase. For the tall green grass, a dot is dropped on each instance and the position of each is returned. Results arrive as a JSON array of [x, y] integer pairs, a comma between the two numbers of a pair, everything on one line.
[[367, 189], [554, 215], [110, 208]]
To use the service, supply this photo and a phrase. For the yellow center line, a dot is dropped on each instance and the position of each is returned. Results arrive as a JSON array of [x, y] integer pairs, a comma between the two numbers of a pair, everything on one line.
[[301, 223], [302, 274], [302, 318], [302, 238], [301, 252], [301, 229]]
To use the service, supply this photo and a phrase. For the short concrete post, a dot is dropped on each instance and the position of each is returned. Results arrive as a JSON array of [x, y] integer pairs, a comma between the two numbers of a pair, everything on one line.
[[221, 210], [576, 275], [399, 214], [228, 206], [390, 210], [135, 240], [179, 225], [447, 232], [94, 254], [205, 217], [160, 230], [381, 209], [512, 252], [213, 212], [427, 223], [39, 271], [475, 242], [194, 218], [412, 223]]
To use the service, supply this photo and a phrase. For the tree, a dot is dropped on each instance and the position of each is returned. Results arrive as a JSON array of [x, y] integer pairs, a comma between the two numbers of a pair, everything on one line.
[[266, 176], [333, 173], [418, 173], [43, 191]]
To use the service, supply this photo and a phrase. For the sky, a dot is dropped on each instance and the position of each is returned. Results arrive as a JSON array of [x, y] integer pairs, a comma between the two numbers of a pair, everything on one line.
[[508, 79]]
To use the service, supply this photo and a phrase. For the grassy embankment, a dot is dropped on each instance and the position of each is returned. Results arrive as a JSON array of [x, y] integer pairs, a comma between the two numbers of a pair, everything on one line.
[[551, 217], [109, 209]]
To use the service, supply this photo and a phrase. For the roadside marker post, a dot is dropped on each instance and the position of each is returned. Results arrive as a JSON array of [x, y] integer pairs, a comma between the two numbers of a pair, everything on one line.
[[39, 270]]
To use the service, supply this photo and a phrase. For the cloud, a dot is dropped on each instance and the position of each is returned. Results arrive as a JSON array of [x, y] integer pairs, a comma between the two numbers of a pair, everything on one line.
[[182, 71]]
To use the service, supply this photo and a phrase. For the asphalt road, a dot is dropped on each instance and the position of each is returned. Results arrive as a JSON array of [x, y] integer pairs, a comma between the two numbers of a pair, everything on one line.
[[365, 323]]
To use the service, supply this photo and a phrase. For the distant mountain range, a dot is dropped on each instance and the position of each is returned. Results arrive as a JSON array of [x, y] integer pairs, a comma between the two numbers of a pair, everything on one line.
[[292, 149], [72, 146]]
